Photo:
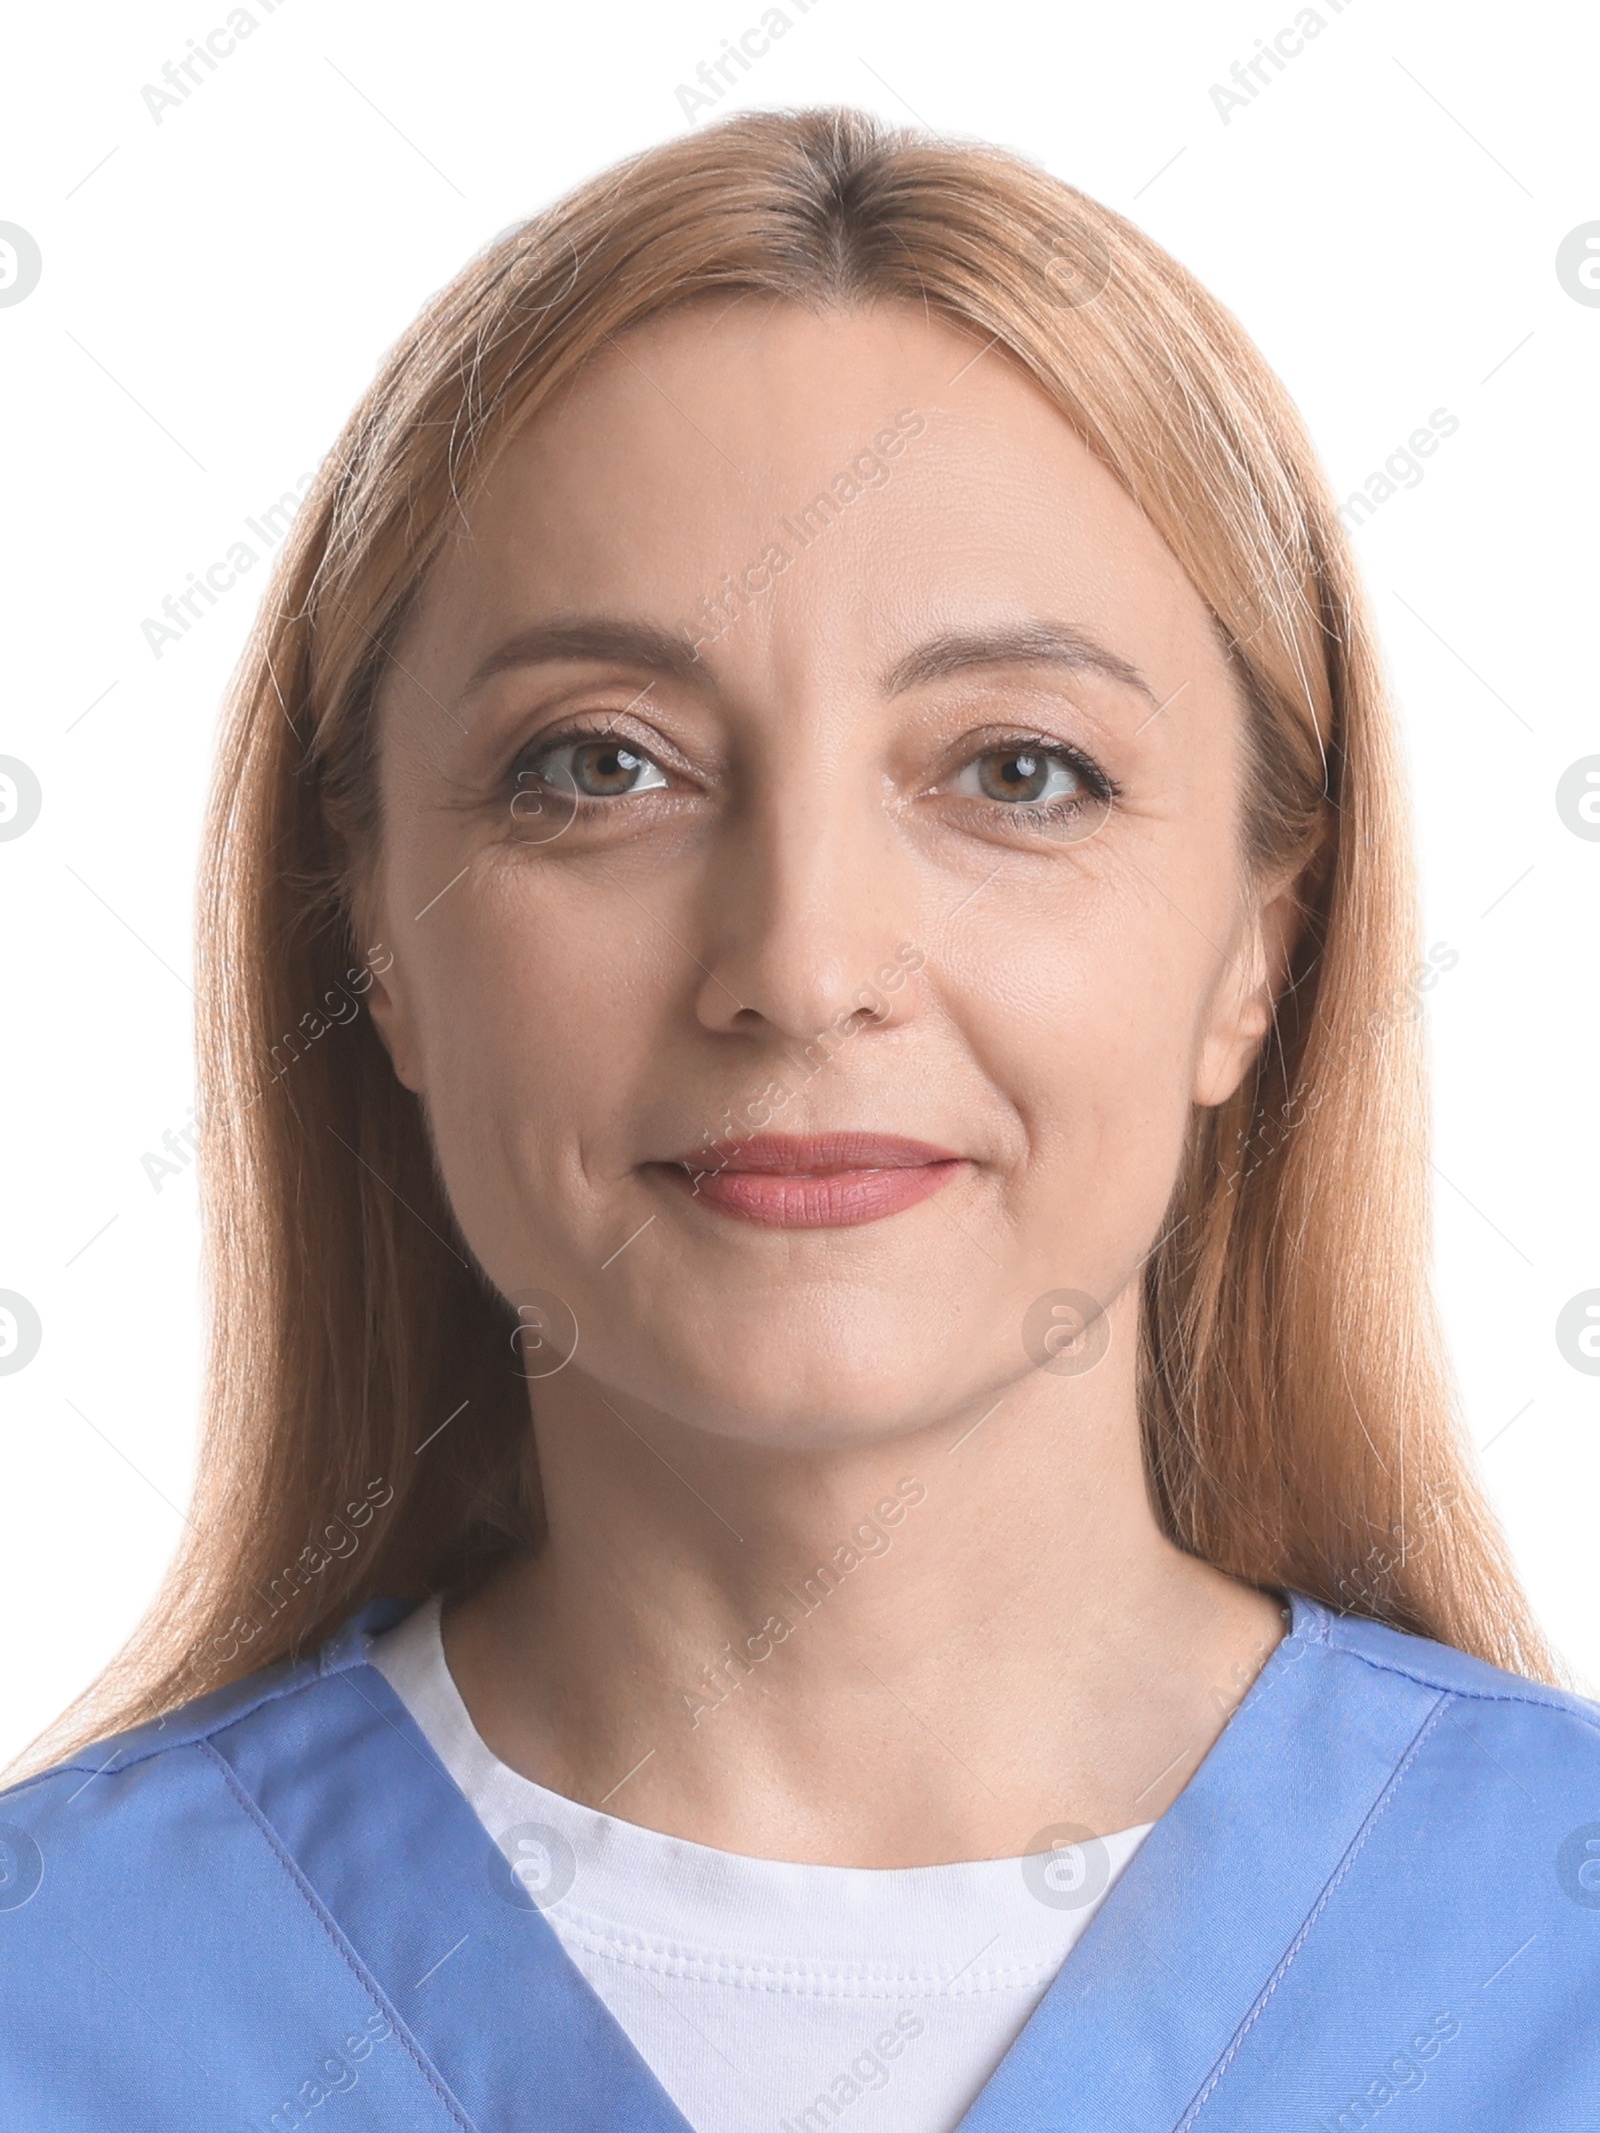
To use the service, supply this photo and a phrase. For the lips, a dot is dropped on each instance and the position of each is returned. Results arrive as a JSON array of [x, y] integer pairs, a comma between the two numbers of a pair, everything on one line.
[[814, 1181]]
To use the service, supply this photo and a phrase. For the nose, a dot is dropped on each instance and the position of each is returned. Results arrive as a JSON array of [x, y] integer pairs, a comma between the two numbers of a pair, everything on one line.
[[809, 920]]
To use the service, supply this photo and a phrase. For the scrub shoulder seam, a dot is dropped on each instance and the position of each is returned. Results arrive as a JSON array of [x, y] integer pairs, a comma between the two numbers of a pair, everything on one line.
[[92, 1761], [1539, 1695]]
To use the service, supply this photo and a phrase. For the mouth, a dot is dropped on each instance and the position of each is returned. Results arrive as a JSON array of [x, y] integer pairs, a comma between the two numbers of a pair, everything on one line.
[[812, 1181]]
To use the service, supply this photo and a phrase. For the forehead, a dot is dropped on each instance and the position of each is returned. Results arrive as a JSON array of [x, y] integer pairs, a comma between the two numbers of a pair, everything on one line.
[[877, 474]]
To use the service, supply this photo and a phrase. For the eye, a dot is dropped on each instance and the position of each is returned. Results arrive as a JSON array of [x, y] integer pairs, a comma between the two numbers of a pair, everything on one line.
[[592, 769], [1029, 775], [1020, 777], [1031, 783]]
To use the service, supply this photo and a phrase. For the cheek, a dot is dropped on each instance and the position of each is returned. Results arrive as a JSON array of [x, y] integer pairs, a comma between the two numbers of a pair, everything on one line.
[[1090, 1029], [540, 1016]]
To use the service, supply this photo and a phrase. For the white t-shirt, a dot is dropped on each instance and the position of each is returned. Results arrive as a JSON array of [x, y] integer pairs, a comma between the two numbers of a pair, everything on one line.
[[763, 1994]]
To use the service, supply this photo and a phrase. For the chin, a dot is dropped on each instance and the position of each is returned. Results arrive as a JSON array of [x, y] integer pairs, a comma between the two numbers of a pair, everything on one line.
[[808, 1387]]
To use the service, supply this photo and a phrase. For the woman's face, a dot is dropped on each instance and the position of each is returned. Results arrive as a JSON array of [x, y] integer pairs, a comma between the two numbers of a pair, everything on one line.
[[806, 737]]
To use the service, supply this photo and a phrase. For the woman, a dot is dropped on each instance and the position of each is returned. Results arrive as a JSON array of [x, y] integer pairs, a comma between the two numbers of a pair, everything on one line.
[[887, 1541]]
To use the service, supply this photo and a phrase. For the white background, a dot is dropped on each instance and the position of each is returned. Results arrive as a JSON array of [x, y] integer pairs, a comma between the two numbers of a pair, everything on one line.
[[216, 291]]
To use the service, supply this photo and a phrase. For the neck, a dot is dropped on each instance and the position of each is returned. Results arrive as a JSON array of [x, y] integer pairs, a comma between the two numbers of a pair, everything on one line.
[[927, 1648]]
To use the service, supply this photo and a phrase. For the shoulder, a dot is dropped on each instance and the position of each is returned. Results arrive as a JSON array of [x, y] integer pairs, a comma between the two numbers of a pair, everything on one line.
[[174, 1769], [172, 1903], [1395, 1652], [1553, 1731]]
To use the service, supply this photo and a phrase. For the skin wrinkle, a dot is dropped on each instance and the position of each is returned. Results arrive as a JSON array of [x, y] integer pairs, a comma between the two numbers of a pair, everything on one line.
[[578, 1013]]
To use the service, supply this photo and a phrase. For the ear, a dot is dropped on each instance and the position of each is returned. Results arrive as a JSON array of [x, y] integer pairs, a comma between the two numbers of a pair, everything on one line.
[[388, 998], [1246, 994]]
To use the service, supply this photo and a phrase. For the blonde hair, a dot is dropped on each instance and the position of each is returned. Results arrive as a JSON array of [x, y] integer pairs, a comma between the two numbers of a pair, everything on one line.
[[1296, 1406]]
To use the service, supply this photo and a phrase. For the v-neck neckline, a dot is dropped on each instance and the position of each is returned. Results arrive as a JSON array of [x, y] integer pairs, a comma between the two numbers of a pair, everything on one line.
[[1146, 2011], [1170, 1981]]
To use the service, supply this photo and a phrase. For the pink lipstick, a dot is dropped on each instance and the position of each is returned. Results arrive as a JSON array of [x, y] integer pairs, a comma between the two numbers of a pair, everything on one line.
[[815, 1181]]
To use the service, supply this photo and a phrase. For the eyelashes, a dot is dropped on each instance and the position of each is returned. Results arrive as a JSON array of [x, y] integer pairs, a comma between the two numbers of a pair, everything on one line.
[[1025, 777], [598, 768], [1030, 774], [586, 770]]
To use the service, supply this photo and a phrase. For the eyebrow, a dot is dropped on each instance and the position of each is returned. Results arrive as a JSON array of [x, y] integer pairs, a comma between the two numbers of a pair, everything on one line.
[[619, 641], [1023, 643], [623, 643]]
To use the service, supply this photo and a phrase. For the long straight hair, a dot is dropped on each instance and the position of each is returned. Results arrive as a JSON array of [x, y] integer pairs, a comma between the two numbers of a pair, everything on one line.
[[366, 1430]]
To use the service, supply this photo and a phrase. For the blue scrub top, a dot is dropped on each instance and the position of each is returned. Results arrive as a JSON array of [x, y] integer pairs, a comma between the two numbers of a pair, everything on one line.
[[1376, 1904]]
